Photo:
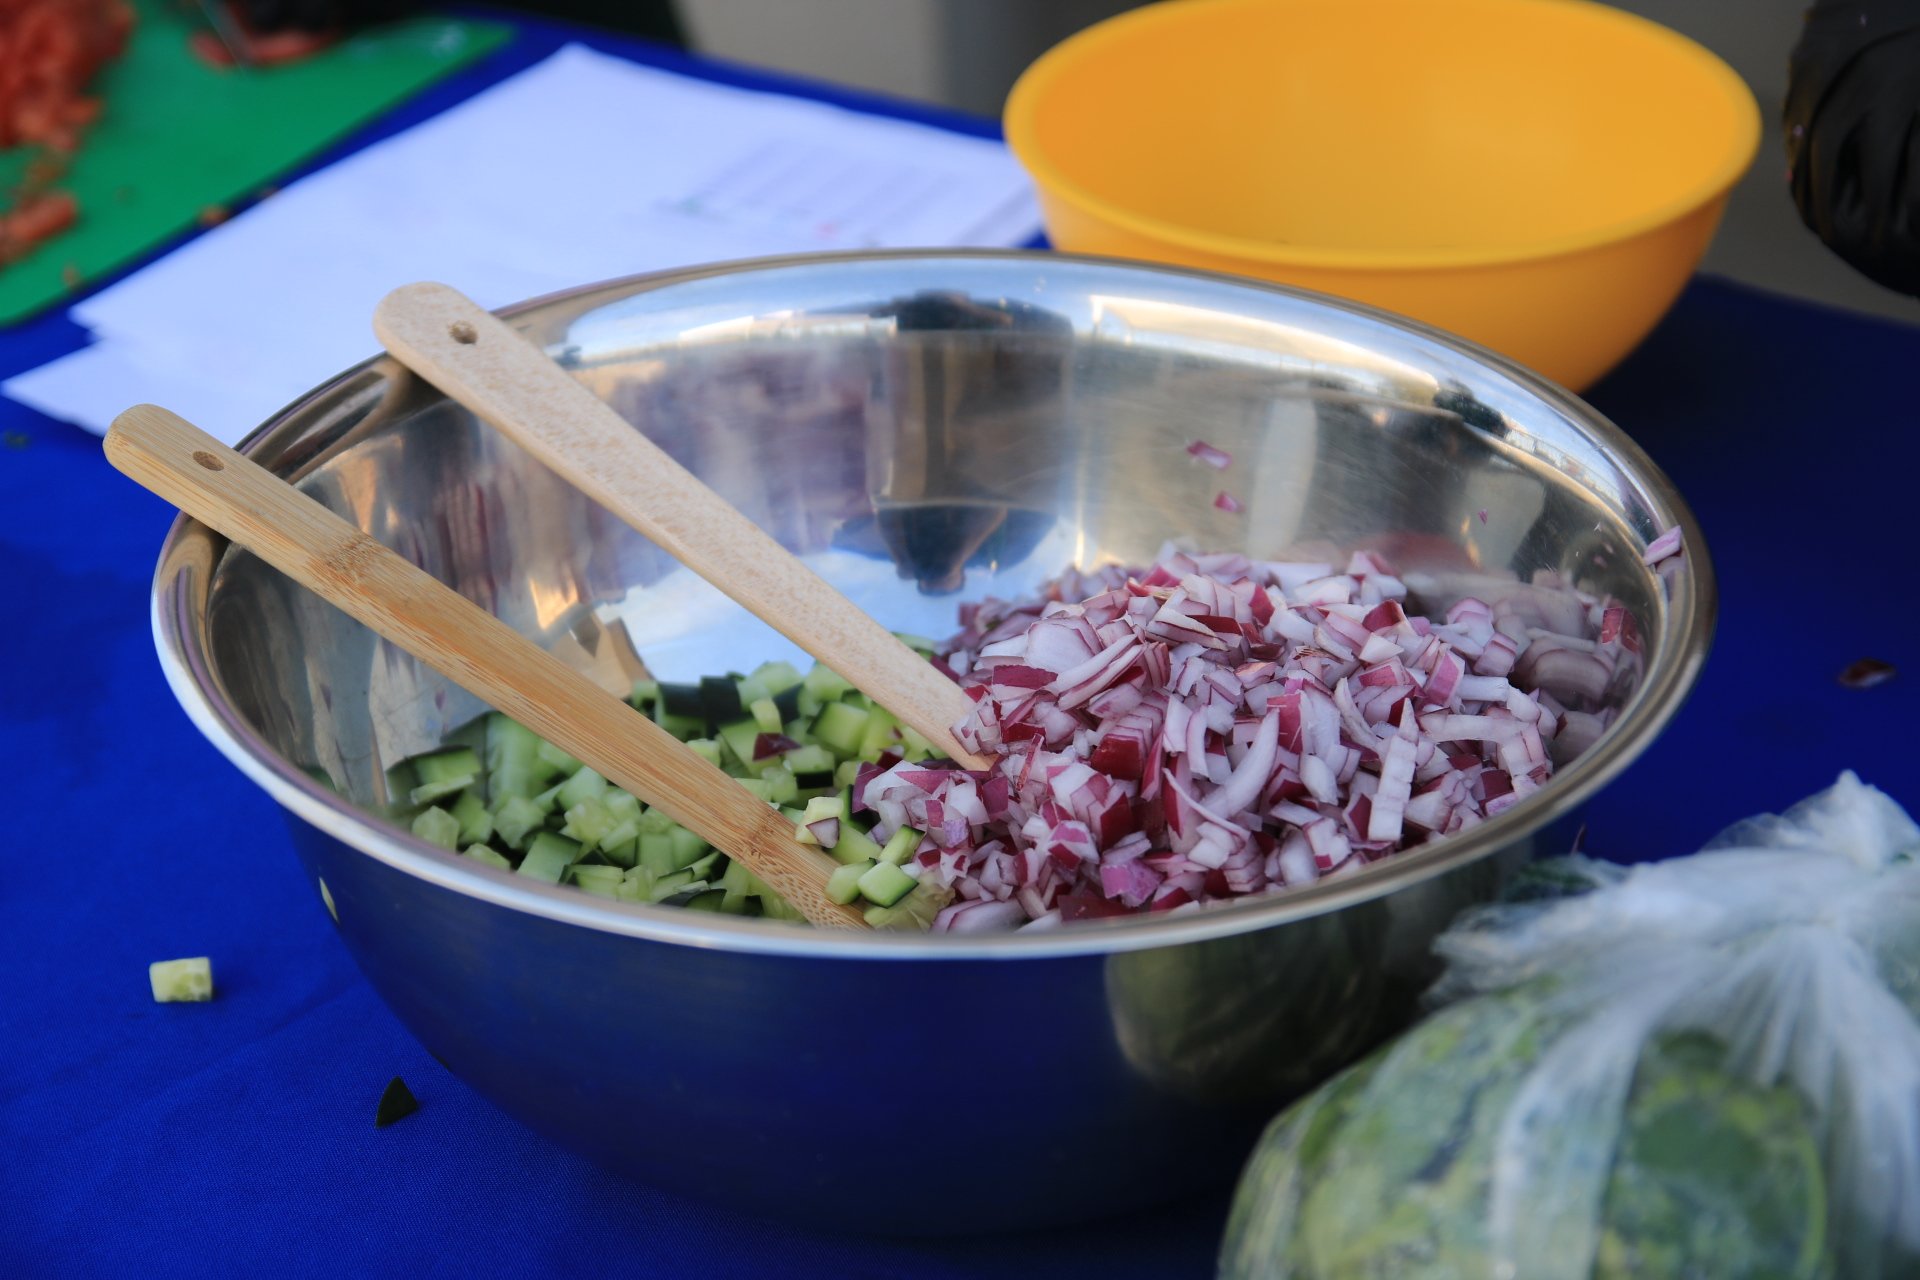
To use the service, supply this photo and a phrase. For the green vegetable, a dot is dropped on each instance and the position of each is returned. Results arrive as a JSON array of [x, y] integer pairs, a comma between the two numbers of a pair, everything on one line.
[[502, 796], [843, 886], [548, 857], [884, 884], [476, 824], [175, 981], [444, 773], [1387, 1172], [436, 826]]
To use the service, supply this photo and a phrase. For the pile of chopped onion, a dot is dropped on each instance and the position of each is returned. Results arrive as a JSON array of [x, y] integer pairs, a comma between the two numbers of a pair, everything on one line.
[[1216, 727]]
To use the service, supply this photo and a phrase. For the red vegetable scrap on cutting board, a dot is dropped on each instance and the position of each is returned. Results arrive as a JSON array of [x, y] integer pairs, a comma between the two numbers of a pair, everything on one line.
[[1213, 727], [256, 48], [50, 51]]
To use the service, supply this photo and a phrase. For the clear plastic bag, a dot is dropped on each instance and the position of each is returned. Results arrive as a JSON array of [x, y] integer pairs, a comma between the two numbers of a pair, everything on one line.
[[1707, 1067]]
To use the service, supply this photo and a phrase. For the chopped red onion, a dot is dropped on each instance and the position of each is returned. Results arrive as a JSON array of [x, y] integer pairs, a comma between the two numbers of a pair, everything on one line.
[[768, 745], [1201, 451], [1226, 502], [1214, 727], [1667, 544]]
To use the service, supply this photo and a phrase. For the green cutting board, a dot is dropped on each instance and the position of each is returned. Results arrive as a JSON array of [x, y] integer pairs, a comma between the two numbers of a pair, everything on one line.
[[178, 137]]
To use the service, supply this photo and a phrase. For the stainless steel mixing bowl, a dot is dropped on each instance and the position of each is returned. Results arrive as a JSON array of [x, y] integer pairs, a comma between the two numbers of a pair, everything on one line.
[[923, 429]]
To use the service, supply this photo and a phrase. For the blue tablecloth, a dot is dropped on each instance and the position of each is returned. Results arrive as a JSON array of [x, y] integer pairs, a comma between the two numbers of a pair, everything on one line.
[[236, 1138]]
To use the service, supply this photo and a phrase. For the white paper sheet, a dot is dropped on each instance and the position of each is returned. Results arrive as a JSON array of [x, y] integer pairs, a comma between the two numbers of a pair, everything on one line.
[[581, 168]]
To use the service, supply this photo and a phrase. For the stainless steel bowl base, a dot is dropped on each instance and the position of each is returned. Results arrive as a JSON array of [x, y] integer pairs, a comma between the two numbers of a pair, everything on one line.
[[922, 429]]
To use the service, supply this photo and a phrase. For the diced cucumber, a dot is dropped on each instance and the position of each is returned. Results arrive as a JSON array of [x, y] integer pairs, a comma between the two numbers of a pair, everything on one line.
[[720, 699], [556, 759], [514, 767], [884, 884], [737, 882], [775, 907], [189, 980], [855, 846], [809, 759], [914, 912], [682, 727], [914, 746], [682, 700], [481, 853], [437, 826], [843, 886], [634, 886], [428, 792], [740, 737], [621, 845], [656, 854], [476, 824], [516, 819], [781, 787], [589, 822], [688, 848], [666, 886], [562, 822], [902, 845], [919, 644], [602, 881], [776, 677], [820, 808], [583, 785], [826, 684], [879, 735], [841, 727], [445, 766], [548, 857]]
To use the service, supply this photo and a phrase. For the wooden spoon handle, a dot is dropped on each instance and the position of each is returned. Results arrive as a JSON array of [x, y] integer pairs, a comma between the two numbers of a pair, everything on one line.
[[468, 645], [484, 364]]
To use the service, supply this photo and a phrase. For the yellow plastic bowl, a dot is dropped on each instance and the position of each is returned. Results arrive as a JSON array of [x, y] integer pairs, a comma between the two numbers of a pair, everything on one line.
[[1540, 176]]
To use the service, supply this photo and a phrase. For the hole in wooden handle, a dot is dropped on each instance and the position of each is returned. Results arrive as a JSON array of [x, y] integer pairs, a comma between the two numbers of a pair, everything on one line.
[[208, 461], [462, 332]]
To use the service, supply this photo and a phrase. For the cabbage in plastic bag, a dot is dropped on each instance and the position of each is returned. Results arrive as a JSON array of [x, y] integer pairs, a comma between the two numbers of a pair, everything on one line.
[[1708, 1067]]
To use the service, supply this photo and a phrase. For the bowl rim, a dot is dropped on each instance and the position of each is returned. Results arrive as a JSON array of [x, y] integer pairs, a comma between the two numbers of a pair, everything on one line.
[[178, 618], [1019, 122]]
